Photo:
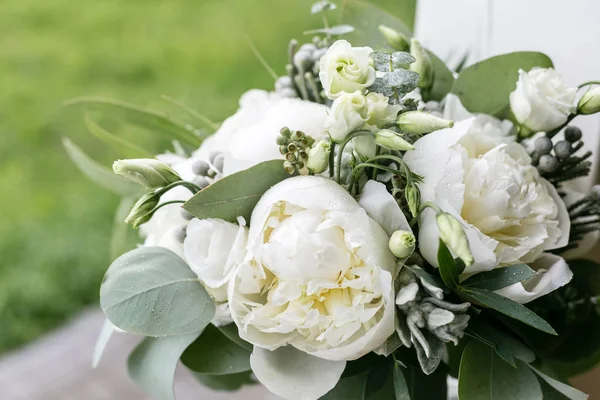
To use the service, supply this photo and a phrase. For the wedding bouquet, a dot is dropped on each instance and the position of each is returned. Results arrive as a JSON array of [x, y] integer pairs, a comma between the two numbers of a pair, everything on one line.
[[373, 228]]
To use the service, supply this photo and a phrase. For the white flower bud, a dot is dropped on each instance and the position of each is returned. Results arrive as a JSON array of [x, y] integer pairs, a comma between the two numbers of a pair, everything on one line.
[[419, 123], [454, 236], [148, 172], [423, 65], [348, 113], [590, 102], [402, 243], [391, 140], [318, 157], [394, 38]]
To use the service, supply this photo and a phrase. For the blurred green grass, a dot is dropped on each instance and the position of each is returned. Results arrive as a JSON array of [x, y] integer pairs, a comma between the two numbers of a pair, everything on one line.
[[55, 226]]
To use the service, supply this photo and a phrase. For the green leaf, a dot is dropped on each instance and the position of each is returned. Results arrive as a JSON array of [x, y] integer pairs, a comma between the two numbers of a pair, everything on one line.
[[485, 376], [348, 388], [227, 383], [150, 120], [98, 174], [507, 307], [103, 338], [500, 277], [237, 194], [443, 79], [152, 364], [151, 291], [379, 383], [123, 146], [499, 76], [400, 386], [568, 391], [366, 18], [447, 266], [231, 332], [214, 354]]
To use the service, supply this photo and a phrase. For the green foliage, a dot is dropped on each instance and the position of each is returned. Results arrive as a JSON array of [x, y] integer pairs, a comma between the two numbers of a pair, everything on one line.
[[498, 75], [500, 277], [447, 265], [124, 147], [443, 79], [152, 364], [227, 383], [151, 291], [214, 354], [236, 194]]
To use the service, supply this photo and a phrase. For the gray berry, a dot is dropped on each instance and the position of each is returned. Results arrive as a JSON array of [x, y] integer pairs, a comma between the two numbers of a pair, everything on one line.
[[218, 161], [563, 149], [543, 145], [548, 163], [180, 233], [186, 215], [200, 167], [572, 134], [283, 82], [201, 181]]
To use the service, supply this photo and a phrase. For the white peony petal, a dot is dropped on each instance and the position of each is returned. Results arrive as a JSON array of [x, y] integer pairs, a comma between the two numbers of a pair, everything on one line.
[[383, 208], [293, 374], [553, 272], [564, 222]]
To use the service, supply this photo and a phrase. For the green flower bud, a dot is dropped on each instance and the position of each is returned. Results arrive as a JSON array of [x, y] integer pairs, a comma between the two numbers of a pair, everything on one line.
[[402, 243], [141, 211], [413, 198], [318, 157], [590, 102], [391, 140], [419, 122], [454, 236], [394, 38], [423, 65], [148, 172]]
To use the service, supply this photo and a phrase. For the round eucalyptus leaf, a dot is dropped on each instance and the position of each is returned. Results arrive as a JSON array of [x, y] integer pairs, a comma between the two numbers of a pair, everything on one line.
[[151, 291]]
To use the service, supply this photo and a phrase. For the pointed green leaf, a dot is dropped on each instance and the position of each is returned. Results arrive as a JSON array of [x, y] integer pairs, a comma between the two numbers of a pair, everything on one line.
[[151, 291], [150, 120], [447, 266], [214, 354], [507, 307], [152, 364], [500, 277], [123, 146], [443, 79], [499, 76], [237, 194], [484, 376], [568, 391], [98, 174], [400, 387]]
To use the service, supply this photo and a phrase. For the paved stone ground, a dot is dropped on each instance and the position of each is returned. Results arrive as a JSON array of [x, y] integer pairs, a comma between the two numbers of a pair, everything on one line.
[[58, 367]]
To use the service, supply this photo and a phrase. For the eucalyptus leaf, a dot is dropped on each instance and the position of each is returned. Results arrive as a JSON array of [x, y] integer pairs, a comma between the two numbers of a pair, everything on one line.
[[403, 80], [231, 332], [151, 291], [402, 59], [381, 61], [568, 391], [499, 278], [485, 376], [237, 194], [499, 76], [447, 266], [380, 86], [150, 120], [99, 174], [103, 338], [507, 307], [366, 18], [214, 354], [400, 386], [153, 362], [442, 82], [122, 146], [227, 383], [321, 6]]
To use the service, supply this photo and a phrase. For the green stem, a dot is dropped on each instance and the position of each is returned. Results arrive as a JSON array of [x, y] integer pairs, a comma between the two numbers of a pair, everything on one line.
[[331, 159], [422, 208], [186, 184], [588, 83], [374, 172], [343, 144]]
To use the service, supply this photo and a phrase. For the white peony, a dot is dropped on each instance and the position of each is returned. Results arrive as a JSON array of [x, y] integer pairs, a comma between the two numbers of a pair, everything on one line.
[[542, 101], [344, 68], [318, 278], [213, 248], [475, 173], [248, 136]]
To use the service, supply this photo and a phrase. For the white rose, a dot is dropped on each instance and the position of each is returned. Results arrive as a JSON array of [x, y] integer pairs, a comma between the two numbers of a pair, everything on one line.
[[213, 248], [248, 137], [475, 173], [346, 69], [316, 286], [542, 101], [379, 111], [348, 113]]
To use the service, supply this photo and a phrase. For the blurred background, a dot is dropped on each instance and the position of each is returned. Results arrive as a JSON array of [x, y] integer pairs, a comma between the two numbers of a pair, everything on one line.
[[56, 226]]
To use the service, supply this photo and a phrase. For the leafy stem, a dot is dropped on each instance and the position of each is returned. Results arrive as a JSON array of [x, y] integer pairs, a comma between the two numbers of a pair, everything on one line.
[[343, 144]]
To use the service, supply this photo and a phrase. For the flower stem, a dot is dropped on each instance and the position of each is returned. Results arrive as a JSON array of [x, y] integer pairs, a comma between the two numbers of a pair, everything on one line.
[[343, 144], [422, 208], [588, 84]]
